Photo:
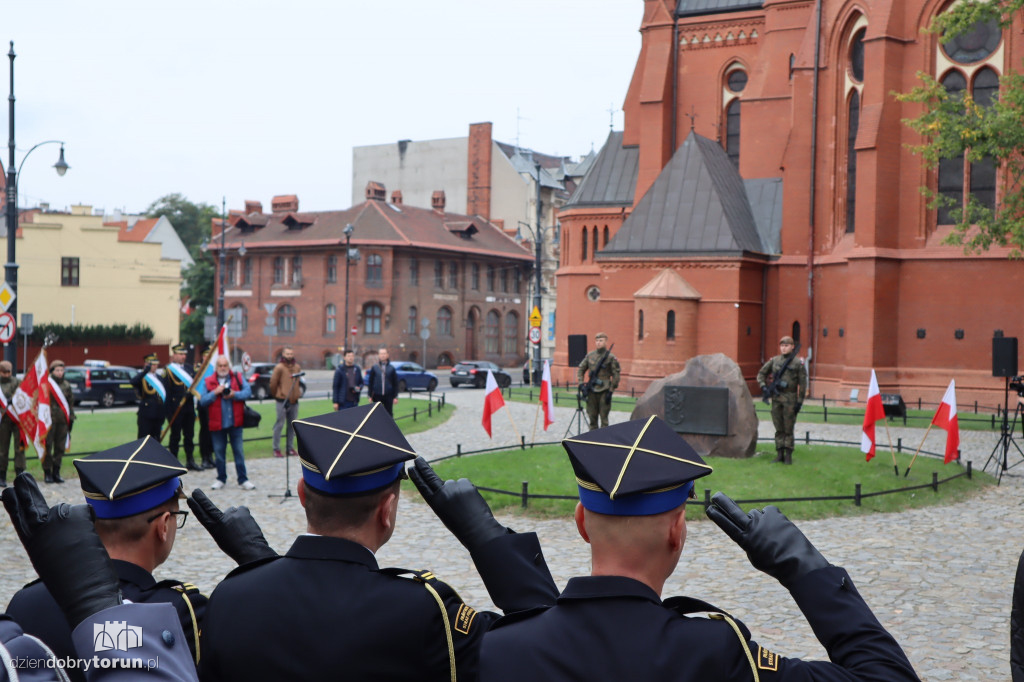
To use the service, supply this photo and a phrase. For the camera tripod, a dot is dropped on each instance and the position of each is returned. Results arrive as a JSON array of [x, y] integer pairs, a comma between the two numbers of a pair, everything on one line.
[[1001, 451], [577, 416]]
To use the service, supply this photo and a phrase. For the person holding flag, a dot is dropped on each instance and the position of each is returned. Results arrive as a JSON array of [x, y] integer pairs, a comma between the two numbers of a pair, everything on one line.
[[9, 424], [152, 397], [180, 406], [62, 411]]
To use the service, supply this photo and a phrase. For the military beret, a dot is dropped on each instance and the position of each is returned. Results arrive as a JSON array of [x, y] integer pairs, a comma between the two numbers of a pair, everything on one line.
[[55, 364], [129, 479], [636, 468], [352, 451]]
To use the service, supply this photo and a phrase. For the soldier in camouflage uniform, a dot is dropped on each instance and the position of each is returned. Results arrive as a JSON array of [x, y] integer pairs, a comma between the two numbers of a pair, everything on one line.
[[792, 391], [8, 427], [599, 397]]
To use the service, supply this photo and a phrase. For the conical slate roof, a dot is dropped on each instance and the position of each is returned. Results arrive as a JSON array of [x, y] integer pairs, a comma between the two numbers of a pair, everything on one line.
[[697, 206]]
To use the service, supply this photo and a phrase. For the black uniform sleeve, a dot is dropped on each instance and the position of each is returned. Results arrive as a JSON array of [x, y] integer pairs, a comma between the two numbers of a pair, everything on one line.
[[857, 644], [515, 573], [1017, 624]]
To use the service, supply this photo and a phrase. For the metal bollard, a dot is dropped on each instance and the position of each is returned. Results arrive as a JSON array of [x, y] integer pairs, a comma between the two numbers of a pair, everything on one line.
[[707, 497], [856, 495], [430, 409], [935, 481], [458, 449], [526, 494], [414, 414], [899, 445], [522, 442], [969, 469]]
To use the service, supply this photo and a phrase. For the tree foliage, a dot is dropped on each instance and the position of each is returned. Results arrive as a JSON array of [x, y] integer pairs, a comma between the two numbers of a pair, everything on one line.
[[192, 223], [954, 124]]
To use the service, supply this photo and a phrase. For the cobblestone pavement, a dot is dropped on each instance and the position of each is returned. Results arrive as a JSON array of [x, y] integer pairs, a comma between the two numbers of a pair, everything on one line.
[[940, 579]]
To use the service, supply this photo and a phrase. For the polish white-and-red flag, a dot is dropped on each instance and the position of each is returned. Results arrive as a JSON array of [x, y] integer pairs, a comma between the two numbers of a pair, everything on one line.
[[31, 403], [872, 414], [493, 401], [945, 418], [547, 399]]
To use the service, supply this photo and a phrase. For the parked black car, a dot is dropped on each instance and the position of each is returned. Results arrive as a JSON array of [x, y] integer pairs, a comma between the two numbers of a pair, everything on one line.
[[259, 378], [474, 372], [106, 385]]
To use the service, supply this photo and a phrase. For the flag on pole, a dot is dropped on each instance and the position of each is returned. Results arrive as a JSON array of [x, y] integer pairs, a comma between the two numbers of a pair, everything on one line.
[[219, 348], [492, 401], [945, 418], [31, 404], [872, 414], [186, 307], [547, 397]]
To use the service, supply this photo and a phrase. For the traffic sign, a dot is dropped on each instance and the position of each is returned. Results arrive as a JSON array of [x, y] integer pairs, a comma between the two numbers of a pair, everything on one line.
[[424, 333], [270, 330], [270, 319], [354, 330], [535, 317], [7, 296], [535, 335], [7, 327], [26, 323], [246, 362], [270, 308]]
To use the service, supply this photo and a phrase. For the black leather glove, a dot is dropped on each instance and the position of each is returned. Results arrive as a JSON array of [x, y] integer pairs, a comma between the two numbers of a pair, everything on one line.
[[797, 410], [234, 530], [459, 505], [62, 544], [772, 543]]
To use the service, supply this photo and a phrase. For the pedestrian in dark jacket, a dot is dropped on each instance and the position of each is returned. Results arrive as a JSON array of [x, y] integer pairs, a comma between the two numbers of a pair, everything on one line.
[[348, 382], [382, 382]]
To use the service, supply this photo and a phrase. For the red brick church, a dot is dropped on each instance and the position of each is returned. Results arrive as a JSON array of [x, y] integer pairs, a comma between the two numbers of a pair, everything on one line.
[[762, 186]]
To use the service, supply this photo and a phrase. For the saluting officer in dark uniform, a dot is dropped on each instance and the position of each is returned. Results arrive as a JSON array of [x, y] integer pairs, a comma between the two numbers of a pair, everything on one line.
[[334, 611], [177, 381], [792, 390], [149, 388], [634, 480], [599, 389], [134, 490]]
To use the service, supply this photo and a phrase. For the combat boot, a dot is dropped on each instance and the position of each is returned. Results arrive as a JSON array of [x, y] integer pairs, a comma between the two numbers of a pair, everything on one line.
[[190, 463], [778, 455], [787, 456]]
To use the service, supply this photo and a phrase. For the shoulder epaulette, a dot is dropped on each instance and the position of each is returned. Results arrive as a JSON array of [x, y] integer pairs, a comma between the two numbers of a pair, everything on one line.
[[687, 605], [250, 565], [517, 616]]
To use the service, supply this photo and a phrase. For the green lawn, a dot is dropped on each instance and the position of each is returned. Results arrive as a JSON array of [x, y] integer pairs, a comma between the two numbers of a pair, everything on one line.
[[101, 429], [823, 471]]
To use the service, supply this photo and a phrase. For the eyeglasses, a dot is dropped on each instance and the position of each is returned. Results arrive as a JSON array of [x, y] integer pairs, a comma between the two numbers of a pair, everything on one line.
[[182, 515]]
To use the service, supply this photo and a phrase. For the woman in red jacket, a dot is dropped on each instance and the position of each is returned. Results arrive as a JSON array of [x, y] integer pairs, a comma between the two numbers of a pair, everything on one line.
[[224, 394]]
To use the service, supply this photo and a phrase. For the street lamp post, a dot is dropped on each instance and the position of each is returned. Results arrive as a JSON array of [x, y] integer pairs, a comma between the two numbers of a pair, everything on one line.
[[13, 173], [538, 239], [221, 263], [348, 262]]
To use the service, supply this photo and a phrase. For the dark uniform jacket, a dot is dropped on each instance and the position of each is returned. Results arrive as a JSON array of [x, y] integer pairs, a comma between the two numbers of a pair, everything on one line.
[[795, 376], [608, 378], [176, 388], [38, 613], [325, 611], [616, 628], [151, 406], [382, 382]]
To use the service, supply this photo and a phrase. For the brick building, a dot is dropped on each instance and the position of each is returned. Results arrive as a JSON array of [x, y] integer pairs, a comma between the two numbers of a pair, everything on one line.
[[460, 276], [762, 186]]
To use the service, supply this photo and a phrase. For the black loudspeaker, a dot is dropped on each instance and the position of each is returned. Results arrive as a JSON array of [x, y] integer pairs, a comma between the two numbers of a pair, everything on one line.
[[1004, 356], [578, 349]]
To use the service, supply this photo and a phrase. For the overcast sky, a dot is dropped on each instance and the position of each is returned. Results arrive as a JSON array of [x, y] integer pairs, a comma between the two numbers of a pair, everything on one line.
[[251, 99]]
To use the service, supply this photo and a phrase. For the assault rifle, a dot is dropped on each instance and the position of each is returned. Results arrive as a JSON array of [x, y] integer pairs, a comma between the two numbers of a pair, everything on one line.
[[587, 387], [775, 382]]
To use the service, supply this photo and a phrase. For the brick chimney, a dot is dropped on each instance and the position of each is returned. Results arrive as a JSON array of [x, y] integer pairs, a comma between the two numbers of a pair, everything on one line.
[[437, 201], [284, 203], [396, 197], [375, 191], [253, 207], [478, 178]]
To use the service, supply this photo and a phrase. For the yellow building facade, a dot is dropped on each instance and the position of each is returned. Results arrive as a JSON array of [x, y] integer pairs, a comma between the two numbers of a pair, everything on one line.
[[73, 270]]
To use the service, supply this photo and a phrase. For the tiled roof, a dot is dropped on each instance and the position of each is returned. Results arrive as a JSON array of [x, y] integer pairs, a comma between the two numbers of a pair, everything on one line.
[[697, 206], [611, 180], [383, 224], [137, 232], [690, 8]]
